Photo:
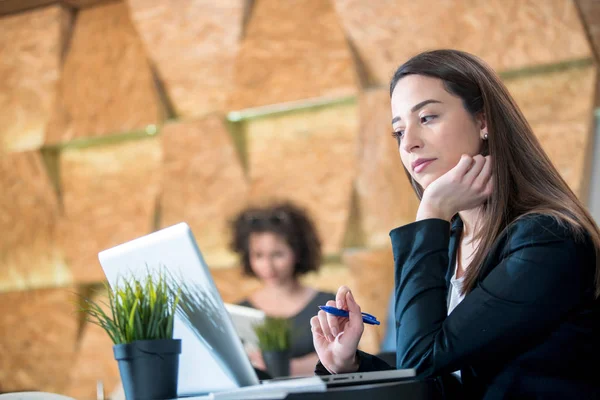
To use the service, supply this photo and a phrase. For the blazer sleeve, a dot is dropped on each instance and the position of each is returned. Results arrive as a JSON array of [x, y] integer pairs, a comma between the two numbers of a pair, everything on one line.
[[366, 363], [533, 284]]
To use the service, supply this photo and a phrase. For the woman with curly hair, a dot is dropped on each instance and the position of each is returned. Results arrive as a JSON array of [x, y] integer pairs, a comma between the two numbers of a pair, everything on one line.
[[278, 244]]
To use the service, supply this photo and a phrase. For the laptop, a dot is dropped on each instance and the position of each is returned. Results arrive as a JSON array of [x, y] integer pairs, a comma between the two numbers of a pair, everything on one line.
[[213, 358]]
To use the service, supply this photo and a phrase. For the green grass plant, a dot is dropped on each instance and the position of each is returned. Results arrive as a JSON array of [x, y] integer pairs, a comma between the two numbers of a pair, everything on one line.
[[274, 334], [137, 309]]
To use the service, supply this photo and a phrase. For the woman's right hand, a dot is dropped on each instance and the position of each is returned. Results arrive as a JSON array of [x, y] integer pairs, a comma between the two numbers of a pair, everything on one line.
[[336, 338]]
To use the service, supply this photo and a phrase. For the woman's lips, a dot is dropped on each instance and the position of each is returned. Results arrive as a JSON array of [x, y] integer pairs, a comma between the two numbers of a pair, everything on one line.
[[422, 165]]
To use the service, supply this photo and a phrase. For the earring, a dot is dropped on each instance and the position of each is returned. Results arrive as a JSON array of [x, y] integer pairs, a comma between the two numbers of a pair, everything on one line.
[[485, 136]]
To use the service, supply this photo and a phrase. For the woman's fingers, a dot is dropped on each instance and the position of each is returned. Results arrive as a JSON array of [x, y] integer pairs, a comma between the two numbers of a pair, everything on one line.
[[315, 326], [256, 360], [482, 178], [478, 175], [329, 325], [463, 166], [318, 335], [340, 297], [322, 315], [464, 187], [489, 187], [355, 325], [477, 166], [332, 320], [338, 353]]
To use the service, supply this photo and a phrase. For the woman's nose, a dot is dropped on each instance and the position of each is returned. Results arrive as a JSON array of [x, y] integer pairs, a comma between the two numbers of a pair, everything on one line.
[[411, 139], [270, 263]]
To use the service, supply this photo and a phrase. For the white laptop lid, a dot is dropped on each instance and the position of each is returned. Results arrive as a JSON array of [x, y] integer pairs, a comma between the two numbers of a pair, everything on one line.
[[217, 360]]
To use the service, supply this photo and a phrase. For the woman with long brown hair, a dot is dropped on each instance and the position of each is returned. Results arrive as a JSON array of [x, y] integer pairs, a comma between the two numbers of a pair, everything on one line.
[[498, 278]]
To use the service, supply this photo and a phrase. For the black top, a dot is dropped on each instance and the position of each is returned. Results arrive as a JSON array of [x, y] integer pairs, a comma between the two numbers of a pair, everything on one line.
[[302, 343], [530, 327]]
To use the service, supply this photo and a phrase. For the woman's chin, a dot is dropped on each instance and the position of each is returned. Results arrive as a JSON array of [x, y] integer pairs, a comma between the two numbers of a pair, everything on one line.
[[423, 183], [427, 180]]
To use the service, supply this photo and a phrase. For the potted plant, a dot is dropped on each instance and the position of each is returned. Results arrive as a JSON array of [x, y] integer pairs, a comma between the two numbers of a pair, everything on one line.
[[139, 321], [274, 337]]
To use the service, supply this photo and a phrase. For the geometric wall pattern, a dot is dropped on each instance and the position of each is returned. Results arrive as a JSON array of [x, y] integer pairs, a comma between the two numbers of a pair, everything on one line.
[[121, 117]]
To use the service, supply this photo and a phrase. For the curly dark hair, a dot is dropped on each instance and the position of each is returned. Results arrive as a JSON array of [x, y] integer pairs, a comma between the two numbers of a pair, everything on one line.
[[286, 220]]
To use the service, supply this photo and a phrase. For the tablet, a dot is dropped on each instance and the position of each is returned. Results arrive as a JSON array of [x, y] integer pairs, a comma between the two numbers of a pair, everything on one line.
[[244, 320]]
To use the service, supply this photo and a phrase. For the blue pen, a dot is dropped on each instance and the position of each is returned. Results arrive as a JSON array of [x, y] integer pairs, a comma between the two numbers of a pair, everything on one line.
[[367, 318]]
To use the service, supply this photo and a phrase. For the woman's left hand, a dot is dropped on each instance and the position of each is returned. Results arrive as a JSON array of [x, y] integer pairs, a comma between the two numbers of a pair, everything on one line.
[[256, 359], [299, 366], [466, 186]]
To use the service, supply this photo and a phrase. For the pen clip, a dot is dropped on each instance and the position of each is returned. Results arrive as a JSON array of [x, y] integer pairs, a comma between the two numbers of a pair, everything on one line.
[[370, 319], [367, 318], [334, 311]]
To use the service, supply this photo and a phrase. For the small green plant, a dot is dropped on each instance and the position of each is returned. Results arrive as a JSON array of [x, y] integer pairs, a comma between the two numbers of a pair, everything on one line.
[[138, 309], [274, 334]]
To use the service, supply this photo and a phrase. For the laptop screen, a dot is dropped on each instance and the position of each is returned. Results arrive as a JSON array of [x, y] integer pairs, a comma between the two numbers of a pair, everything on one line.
[[213, 357]]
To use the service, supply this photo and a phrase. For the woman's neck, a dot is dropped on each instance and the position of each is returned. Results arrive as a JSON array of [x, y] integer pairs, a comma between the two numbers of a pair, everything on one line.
[[471, 220], [467, 247], [284, 300]]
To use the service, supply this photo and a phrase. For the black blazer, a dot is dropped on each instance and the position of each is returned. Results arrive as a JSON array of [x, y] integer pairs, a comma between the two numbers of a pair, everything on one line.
[[529, 329]]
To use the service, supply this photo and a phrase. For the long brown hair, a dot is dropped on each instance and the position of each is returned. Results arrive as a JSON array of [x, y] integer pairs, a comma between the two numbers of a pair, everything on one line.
[[525, 180]]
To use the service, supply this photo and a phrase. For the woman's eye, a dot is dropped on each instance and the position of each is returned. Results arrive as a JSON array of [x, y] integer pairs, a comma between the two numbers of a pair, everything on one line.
[[398, 134], [428, 118]]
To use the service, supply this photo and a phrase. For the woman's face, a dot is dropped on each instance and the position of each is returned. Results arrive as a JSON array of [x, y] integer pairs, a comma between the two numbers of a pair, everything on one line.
[[432, 127], [271, 258]]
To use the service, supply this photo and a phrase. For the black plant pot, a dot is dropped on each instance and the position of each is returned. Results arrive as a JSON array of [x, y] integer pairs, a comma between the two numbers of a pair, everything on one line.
[[277, 362], [149, 368]]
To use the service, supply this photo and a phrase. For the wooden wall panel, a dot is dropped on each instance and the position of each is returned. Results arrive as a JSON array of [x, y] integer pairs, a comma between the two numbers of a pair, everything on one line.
[[38, 333], [292, 50], [508, 34], [559, 108], [386, 199], [193, 47], [233, 285], [308, 157], [86, 3], [31, 46], [204, 184], [29, 255], [372, 272], [107, 85], [329, 278], [109, 195], [94, 361], [590, 13], [18, 6]]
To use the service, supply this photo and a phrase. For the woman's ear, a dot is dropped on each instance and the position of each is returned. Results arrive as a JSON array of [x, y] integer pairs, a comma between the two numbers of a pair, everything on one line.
[[481, 121], [482, 125], [483, 134]]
